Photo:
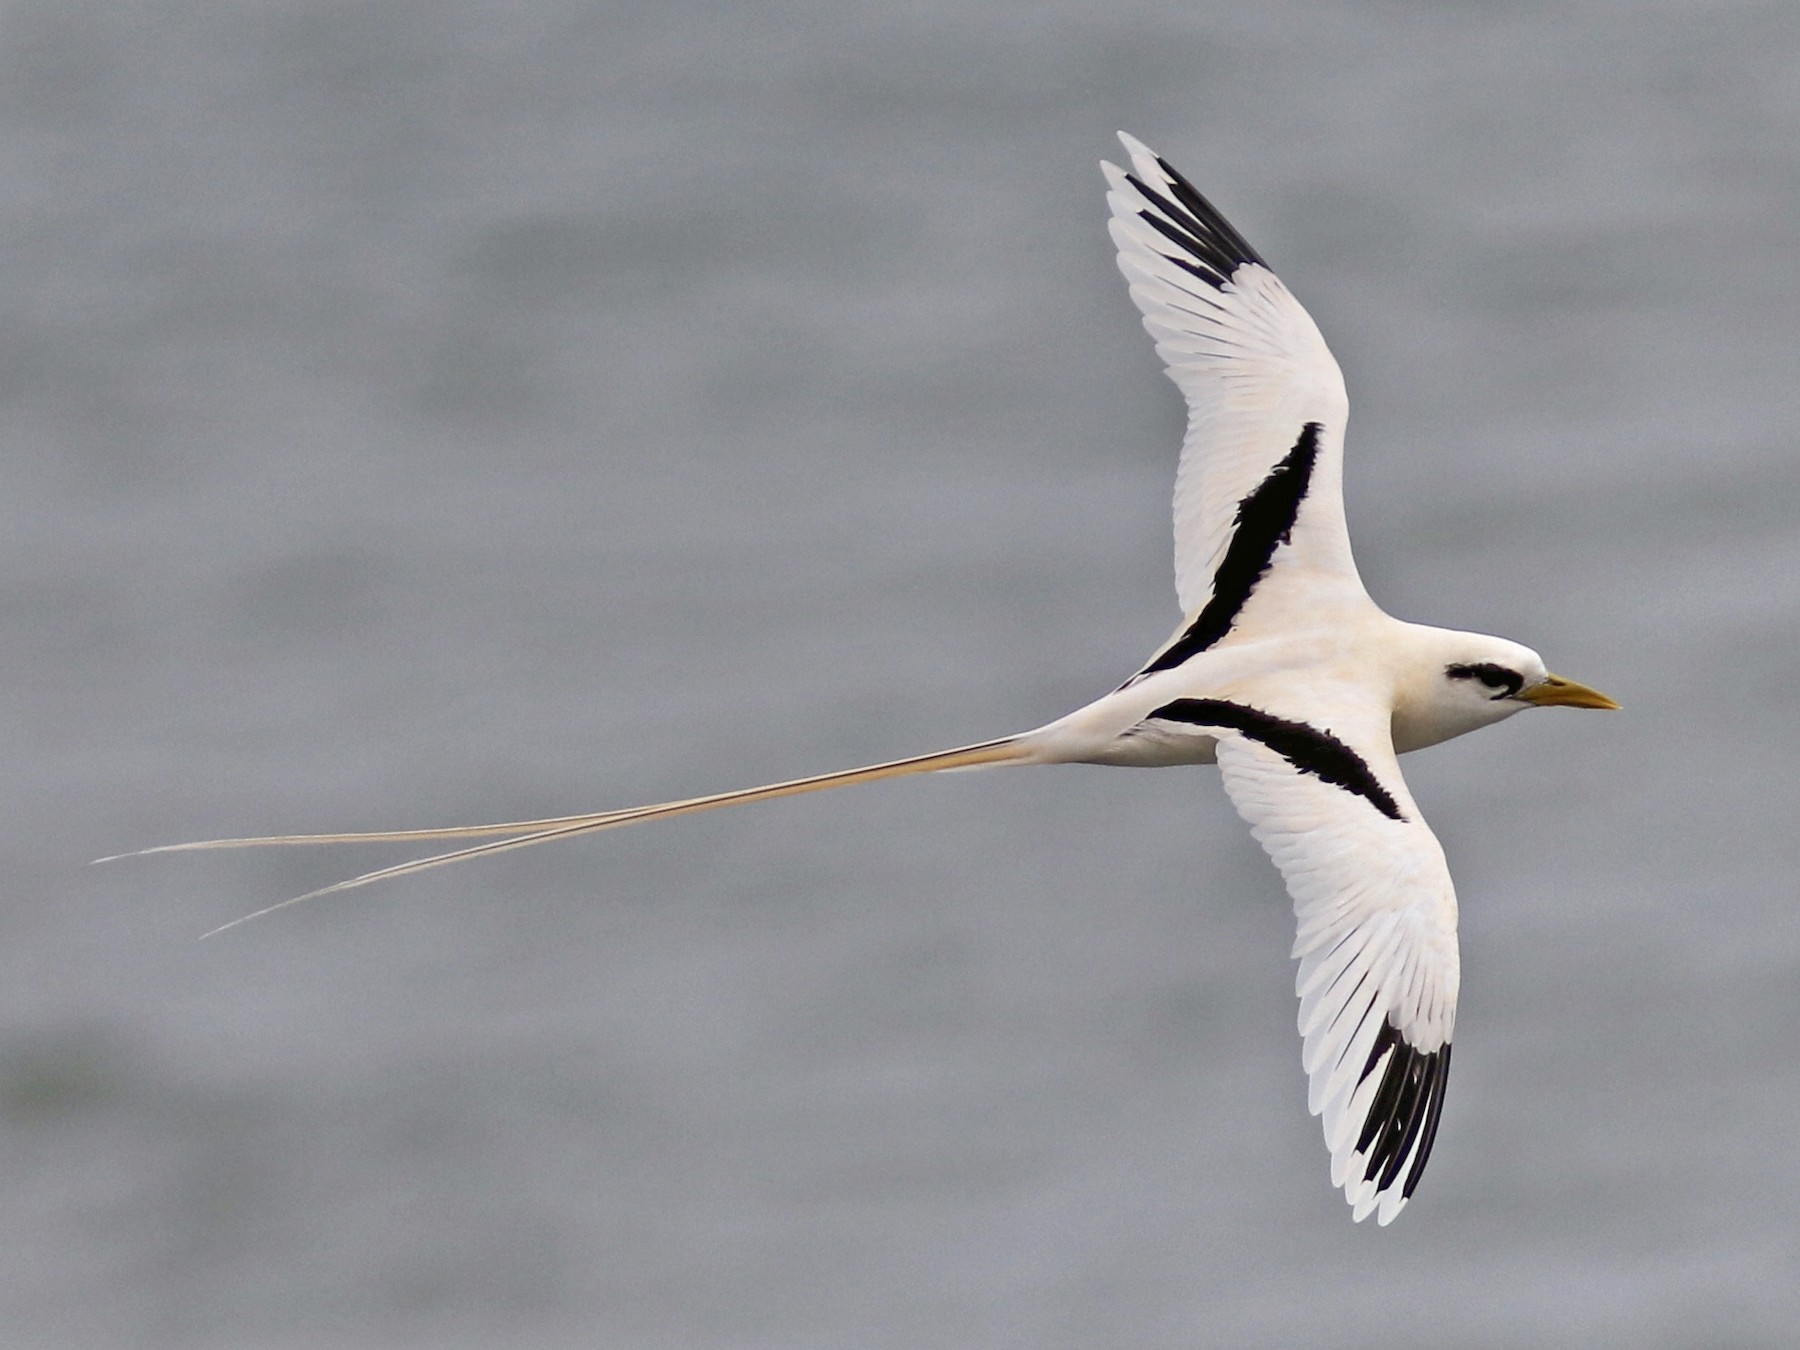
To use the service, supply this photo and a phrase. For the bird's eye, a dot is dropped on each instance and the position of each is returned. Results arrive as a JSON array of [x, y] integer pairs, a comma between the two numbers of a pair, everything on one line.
[[1506, 683]]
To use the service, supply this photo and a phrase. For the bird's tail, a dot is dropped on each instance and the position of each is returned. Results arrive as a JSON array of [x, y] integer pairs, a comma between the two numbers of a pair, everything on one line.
[[524, 833]]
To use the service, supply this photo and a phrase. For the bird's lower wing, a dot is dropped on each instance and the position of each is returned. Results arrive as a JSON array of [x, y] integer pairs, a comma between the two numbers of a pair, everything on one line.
[[1376, 933]]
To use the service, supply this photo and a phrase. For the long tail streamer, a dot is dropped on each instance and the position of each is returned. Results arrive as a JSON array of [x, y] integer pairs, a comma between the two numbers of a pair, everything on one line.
[[525, 833]]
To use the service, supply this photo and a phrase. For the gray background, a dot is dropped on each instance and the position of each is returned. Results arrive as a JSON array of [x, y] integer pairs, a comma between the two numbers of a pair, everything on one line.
[[422, 412]]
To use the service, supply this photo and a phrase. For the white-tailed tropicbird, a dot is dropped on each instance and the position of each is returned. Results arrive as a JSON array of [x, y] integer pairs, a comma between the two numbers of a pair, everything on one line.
[[1284, 672]]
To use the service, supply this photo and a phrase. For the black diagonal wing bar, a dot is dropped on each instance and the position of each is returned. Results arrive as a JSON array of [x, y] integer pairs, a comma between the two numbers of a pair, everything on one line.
[[1264, 521], [1308, 748]]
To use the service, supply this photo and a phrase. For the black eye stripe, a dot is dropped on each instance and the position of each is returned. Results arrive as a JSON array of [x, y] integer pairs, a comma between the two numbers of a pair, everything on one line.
[[1508, 682]]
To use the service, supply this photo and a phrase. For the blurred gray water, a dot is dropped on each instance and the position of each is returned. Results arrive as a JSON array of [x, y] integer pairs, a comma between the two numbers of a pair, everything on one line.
[[419, 413]]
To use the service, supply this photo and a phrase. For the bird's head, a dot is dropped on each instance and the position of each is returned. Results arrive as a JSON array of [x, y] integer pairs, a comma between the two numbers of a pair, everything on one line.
[[1469, 680]]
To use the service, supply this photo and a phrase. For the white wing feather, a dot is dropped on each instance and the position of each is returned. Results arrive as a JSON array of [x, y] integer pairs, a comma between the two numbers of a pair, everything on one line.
[[1250, 362], [1376, 941]]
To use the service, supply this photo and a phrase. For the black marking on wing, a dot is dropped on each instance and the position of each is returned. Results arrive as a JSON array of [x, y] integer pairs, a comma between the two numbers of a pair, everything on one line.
[[1406, 1108], [1215, 250], [1508, 682], [1307, 748], [1264, 521]]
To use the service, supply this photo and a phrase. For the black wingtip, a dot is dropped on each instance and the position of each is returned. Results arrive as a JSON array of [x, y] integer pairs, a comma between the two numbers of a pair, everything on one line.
[[1233, 245], [1405, 1110], [1183, 216]]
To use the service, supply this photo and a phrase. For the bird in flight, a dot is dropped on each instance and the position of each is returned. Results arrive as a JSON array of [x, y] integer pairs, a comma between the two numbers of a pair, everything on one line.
[[1284, 673]]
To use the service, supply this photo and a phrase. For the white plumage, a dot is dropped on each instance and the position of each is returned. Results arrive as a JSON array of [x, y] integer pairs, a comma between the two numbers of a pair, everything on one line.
[[1251, 364], [1283, 670], [1376, 937]]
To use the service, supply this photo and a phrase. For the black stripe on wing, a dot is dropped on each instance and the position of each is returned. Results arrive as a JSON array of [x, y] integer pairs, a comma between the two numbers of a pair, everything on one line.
[[1214, 249], [1264, 521], [1406, 1108], [1306, 747]]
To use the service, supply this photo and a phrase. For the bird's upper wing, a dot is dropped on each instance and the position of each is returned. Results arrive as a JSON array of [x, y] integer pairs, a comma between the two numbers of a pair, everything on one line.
[[1376, 935], [1266, 405]]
